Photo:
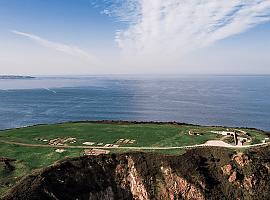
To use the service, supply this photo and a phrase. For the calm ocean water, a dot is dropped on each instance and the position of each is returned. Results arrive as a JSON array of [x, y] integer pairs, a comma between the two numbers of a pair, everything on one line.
[[207, 100]]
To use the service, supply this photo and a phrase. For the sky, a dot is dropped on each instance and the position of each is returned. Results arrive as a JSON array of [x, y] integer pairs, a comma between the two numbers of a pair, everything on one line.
[[87, 37]]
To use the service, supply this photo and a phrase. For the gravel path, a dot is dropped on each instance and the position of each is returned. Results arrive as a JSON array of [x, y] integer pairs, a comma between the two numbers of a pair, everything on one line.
[[210, 143]]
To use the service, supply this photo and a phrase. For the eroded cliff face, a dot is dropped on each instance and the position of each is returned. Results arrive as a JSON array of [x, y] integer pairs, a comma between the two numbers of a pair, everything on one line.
[[205, 173]]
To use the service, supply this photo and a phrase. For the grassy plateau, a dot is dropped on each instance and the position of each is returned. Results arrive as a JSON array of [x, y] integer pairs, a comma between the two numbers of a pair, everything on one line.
[[29, 158]]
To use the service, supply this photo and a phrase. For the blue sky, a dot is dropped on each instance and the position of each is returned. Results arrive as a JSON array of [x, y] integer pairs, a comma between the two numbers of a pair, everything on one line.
[[43, 37], [77, 21]]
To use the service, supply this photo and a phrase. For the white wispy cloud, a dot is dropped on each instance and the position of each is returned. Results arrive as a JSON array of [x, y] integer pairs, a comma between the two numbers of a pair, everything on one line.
[[67, 49], [175, 27]]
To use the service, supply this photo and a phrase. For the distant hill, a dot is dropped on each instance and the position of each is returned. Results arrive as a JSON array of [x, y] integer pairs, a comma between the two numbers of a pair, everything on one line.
[[15, 77]]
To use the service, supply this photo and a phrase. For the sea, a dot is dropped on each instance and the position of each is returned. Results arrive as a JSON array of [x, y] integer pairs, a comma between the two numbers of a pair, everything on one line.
[[238, 101]]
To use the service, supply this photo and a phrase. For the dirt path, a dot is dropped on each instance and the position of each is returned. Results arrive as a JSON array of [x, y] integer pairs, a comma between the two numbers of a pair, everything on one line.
[[210, 143]]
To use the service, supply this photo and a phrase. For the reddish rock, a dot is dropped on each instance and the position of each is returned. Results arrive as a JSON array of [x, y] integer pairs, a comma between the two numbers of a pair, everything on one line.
[[226, 169], [249, 182], [241, 159], [178, 187], [233, 177]]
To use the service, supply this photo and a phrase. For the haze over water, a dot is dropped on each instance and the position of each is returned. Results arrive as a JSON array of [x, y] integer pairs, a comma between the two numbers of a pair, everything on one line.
[[206, 100]]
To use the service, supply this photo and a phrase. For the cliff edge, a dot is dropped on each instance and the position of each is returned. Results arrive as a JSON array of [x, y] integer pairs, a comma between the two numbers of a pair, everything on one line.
[[203, 173]]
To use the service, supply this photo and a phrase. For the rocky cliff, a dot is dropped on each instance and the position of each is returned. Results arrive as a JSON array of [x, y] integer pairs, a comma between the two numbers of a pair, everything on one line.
[[205, 173]]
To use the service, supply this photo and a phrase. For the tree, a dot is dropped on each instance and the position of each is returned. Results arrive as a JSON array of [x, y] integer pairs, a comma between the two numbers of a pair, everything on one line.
[[8, 163]]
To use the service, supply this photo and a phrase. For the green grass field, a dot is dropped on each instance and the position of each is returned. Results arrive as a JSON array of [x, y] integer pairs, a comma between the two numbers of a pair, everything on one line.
[[146, 135]]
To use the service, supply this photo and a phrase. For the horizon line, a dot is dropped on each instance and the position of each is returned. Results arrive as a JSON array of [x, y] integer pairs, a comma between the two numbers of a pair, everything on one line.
[[137, 74]]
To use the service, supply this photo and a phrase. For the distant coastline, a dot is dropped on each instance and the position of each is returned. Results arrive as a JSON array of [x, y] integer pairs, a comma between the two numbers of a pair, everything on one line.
[[15, 77]]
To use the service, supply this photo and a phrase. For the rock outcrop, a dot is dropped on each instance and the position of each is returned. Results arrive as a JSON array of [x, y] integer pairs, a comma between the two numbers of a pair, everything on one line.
[[205, 173]]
